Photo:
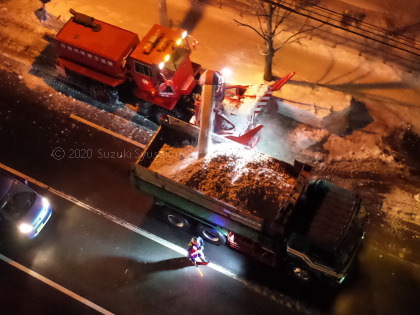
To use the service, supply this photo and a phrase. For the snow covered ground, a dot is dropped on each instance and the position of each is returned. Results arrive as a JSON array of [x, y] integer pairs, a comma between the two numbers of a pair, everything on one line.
[[397, 15], [376, 144]]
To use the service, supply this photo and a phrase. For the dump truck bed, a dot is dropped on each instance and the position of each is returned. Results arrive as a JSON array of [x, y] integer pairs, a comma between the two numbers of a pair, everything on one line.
[[177, 133]]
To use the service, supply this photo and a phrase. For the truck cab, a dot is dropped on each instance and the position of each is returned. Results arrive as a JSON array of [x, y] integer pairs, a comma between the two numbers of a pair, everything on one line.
[[328, 229], [161, 67]]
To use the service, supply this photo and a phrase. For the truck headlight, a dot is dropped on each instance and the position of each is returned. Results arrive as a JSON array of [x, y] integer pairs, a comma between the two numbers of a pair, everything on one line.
[[25, 228]]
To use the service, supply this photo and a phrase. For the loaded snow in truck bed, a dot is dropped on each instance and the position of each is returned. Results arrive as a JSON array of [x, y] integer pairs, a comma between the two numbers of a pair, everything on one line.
[[246, 179]]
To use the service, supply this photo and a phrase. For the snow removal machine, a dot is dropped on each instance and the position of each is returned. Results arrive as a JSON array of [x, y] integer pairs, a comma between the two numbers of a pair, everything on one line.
[[154, 75]]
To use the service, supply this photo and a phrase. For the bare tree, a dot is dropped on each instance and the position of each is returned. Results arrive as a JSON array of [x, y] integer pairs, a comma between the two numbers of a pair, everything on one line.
[[273, 18]]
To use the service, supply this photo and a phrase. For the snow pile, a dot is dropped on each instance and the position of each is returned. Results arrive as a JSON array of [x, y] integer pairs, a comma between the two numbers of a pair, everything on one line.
[[401, 208], [355, 151], [303, 137]]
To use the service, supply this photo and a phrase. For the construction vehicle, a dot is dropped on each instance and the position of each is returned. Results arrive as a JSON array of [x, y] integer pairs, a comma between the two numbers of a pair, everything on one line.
[[155, 70], [153, 76], [231, 110], [315, 232]]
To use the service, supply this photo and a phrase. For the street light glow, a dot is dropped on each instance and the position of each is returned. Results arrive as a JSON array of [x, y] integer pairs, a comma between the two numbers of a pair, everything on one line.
[[226, 72]]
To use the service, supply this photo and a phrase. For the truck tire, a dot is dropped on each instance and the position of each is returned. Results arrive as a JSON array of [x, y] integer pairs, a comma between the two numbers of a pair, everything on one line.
[[156, 114], [302, 274], [176, 220], [211, 234]]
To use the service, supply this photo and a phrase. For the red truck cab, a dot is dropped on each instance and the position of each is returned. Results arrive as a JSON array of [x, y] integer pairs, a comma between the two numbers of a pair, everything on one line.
[[161, 67]]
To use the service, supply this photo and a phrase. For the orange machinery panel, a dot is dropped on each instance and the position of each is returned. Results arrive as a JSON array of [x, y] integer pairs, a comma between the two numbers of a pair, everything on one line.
[[157, 43], [104, 51]]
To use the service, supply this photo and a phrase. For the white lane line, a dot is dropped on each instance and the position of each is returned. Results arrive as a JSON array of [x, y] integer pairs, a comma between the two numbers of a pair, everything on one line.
[[112, 133], [54, 285], [121, 222], [256, 288]]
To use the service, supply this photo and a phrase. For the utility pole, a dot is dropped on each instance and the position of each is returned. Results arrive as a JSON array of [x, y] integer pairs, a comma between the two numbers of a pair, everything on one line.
[[163, 13]]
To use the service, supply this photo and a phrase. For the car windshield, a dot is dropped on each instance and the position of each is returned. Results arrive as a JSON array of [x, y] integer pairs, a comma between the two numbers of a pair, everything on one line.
[[176, 60], [16, 202]]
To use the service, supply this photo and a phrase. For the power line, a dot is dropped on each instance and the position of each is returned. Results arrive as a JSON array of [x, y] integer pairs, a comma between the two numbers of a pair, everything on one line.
[[362, 26]]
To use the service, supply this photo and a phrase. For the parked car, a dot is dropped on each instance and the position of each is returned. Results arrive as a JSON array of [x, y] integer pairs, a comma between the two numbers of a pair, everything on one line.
[[22, 207]]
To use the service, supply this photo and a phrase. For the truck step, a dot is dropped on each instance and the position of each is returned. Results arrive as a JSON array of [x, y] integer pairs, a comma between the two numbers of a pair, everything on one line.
[[252, 249]]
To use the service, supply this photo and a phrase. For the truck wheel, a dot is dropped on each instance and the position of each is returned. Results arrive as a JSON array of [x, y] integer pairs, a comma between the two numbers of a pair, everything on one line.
[[156, 114], [177, 220], [302, 273], [211, 234]]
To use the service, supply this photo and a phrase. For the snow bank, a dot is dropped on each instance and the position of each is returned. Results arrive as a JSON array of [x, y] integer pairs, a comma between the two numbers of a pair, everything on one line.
[[317, 106]]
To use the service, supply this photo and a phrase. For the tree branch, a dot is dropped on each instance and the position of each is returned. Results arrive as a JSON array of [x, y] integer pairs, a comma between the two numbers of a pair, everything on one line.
[[251, 27]]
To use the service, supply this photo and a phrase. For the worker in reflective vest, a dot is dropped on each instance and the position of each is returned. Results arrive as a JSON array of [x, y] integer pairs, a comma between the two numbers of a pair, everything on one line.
[[196, 250]]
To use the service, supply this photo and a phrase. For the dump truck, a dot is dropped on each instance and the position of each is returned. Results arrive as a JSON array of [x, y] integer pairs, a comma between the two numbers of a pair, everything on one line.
[[314, 230]]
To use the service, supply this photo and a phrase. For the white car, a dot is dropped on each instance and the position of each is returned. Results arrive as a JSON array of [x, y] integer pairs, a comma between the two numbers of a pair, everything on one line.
[[22, 207]]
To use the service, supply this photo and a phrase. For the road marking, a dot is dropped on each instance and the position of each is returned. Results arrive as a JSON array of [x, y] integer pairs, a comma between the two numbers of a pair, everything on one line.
[[277, 296], [112, 133], [274, 295], [119, 221], [54, 285]]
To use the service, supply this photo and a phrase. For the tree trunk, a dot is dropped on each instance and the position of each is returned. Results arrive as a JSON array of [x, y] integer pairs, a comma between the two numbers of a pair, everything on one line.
[[268, 67], [268, 71]]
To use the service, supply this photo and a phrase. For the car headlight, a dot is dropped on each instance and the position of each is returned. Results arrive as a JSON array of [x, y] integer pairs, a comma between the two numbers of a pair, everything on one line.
[[45, 202], [45, 207], [25, 228]]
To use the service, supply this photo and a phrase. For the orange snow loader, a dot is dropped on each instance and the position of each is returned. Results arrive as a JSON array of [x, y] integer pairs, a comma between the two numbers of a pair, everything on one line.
[[157, 68]]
